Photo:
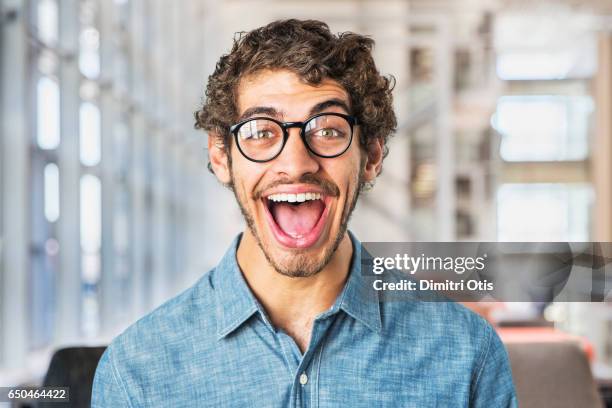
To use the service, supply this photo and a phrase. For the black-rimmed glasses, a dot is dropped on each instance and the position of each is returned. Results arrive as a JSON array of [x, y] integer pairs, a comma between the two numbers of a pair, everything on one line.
[[326, 135]]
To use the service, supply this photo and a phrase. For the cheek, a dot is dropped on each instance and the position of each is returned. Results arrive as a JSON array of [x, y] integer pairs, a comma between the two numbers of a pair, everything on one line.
[[246, 176], [353, 166], [239, 177], [345, 174]]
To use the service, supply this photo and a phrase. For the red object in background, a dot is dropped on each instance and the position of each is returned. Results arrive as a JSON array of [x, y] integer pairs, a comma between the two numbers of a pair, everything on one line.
[[543, 335]]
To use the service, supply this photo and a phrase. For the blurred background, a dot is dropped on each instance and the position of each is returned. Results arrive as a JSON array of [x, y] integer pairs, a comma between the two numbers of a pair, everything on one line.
[[107, 209]]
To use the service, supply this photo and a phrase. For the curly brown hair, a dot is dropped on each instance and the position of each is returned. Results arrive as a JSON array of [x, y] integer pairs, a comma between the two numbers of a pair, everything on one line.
[[308, 48]]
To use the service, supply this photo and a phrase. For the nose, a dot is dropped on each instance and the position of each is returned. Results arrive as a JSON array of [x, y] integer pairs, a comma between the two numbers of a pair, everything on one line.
[[295, 160]]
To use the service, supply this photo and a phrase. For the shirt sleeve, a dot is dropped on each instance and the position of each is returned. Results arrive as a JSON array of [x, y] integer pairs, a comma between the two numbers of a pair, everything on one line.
[[492, 385], [107, 389]]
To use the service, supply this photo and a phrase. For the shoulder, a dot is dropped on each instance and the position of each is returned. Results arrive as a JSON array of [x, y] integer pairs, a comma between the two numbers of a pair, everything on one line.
[[172, 324], [444, 322], [160, 348]]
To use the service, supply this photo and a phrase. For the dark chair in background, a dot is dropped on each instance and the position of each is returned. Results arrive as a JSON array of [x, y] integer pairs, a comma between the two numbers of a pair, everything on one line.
[[74, 367], [552, 374]]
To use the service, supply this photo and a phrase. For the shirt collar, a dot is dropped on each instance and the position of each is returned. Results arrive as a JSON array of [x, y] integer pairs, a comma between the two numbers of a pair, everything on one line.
[[359, 299], [236, 303]]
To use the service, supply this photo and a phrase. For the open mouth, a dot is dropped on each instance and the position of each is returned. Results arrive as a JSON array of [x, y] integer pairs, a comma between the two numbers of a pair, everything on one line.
[[297, 220]]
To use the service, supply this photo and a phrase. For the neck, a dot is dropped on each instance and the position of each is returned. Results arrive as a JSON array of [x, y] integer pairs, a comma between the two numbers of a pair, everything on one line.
[[290, 301]]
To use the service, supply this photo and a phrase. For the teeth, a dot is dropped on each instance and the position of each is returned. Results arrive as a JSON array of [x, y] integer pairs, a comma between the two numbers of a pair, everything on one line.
[[293, 198]]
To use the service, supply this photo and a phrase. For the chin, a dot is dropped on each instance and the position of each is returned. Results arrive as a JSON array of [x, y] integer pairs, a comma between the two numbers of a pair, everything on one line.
[[298, 227], [296, 260]]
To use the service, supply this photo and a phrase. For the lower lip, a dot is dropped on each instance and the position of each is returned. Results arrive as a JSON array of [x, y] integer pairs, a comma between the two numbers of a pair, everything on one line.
[[305, 241]]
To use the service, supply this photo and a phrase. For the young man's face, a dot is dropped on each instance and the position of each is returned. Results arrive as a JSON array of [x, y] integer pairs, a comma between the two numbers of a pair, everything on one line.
[[297, 239]]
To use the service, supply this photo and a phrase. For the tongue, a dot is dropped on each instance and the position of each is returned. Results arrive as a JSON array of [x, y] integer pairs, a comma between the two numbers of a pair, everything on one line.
[[297, 220]]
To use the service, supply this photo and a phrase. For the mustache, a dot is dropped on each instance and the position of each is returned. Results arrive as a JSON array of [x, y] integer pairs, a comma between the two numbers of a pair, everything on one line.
[[329, 188]]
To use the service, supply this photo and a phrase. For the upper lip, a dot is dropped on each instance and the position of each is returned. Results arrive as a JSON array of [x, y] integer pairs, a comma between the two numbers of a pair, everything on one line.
[[294, 189]]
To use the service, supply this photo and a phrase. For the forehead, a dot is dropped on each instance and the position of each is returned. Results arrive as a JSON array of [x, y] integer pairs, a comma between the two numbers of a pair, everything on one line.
[[286, 92]]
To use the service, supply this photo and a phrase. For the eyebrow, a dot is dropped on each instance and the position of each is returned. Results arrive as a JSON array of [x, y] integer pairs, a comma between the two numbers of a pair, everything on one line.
[[259, 110], [318, 108]]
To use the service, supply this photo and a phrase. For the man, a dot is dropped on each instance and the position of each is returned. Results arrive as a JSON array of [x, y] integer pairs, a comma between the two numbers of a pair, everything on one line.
[[298, 120]]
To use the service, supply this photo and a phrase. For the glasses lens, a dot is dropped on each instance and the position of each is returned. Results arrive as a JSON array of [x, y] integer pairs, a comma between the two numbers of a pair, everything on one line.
[[328, 135], [260, 139]]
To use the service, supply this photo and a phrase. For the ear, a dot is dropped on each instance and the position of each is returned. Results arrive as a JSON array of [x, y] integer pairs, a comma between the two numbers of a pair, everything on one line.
[[374, 159], [218, 157]]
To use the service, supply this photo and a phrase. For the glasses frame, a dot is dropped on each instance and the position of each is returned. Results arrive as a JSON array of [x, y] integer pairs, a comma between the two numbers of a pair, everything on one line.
[[285, 126]]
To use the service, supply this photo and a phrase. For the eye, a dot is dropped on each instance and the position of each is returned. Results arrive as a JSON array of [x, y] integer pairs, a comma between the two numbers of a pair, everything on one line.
[[328, 133], [263, 134]]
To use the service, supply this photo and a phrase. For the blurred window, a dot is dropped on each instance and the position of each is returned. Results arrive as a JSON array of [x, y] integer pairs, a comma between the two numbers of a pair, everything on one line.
[[51, 194], [47, 21], [89, 55], [543, 65], [544, 212], [543, 127], [545, 46], [89, 40], [47, 113], [90, 213], [89, 134]]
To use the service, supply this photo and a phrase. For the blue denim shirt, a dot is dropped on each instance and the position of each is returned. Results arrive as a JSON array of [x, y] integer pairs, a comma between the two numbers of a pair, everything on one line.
[[214, 346]]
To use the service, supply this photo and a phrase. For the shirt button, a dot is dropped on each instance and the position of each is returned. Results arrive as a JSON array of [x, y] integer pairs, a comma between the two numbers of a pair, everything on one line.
[[303, 379]]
